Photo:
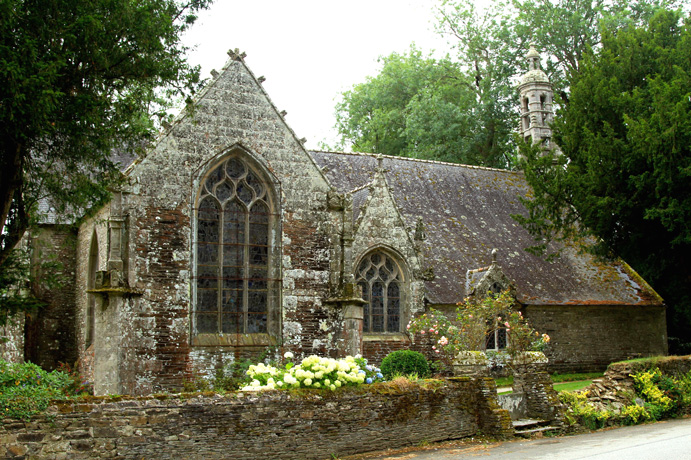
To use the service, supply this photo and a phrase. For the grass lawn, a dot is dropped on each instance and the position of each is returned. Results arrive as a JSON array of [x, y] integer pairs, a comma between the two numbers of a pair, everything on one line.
[[572, 386], [563, 382]]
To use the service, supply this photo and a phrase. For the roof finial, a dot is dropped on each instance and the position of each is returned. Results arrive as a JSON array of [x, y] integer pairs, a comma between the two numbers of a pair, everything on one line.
[[494, 256]]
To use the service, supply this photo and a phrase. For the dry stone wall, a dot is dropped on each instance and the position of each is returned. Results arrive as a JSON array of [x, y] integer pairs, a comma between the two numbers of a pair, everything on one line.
[[276, 425], [616, 388]]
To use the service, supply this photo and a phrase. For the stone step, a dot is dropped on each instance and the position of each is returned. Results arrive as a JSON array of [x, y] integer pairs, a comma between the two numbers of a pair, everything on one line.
[[533, 431], [526, 423]]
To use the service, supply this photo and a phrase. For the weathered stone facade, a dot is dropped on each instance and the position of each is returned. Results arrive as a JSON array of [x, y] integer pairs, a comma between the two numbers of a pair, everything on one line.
[[277, 425], [12, 340], [229, 239]]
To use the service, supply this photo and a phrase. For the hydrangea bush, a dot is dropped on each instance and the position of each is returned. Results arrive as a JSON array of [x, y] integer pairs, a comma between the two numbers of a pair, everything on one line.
[[312, 372]]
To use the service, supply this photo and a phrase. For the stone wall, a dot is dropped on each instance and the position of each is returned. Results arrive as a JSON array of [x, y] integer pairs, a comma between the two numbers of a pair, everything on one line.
[[276, 425], [51, 334], [588, 338], [530, 379], [12, 340], [616, 388]]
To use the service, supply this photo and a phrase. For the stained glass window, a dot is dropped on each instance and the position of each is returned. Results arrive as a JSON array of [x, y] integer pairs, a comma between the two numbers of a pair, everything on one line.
[[233, 247], [381, 282]]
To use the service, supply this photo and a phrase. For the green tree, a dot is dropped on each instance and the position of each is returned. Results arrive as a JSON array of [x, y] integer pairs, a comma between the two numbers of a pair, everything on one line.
[[565, 29], [418, 107], [373, 116], [464, 109], [490, 53], [624, 177], [79, 79]]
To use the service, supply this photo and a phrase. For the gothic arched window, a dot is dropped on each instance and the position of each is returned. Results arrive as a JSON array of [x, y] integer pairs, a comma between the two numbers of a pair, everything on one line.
[[382, 287], [235, 282]]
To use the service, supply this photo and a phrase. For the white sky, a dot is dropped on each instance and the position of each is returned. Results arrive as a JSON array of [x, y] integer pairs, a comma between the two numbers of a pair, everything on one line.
[[312, 50]]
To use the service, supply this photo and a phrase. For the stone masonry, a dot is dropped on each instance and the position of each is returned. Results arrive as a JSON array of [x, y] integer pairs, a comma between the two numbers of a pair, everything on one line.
[[278, 425]]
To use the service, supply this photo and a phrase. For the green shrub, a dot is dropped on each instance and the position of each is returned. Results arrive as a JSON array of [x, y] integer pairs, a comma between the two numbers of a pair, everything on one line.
[[232, 376], [634, 414], [582, 412], [26, 389], [405, 362], [662, 394]]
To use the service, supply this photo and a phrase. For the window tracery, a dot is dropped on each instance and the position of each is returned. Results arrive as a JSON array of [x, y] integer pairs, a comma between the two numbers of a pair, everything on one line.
[[382, 287], [233, 251]]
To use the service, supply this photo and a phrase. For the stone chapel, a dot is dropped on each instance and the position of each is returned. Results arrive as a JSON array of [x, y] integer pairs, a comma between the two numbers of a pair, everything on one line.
[[230, 237]]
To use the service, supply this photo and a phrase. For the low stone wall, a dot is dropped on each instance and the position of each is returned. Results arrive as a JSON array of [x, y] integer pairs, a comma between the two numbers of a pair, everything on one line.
[[615, 389], [276, 425], [541, 401]]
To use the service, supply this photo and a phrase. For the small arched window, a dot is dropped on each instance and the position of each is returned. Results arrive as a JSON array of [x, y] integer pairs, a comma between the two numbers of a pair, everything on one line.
[[381, 280], [235, 284]]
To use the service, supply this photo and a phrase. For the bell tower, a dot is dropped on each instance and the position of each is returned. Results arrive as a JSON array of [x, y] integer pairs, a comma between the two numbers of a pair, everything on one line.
[[537, 112]]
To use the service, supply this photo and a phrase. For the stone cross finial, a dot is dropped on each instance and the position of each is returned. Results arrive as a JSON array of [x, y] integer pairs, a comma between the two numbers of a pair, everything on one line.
[[380, 162]]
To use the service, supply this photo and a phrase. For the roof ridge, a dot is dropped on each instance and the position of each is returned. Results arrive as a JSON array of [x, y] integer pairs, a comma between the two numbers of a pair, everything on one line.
[[418, 160]]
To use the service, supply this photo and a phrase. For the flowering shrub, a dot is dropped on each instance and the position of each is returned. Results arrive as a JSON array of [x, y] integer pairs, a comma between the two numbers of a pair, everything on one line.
[[475, 321], [312, 372], [634, 414], [663, 396], [78, 385], [26, 389], [581, 411]]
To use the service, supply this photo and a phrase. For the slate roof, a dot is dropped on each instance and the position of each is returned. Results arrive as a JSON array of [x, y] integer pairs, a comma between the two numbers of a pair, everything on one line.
[[467, 212]]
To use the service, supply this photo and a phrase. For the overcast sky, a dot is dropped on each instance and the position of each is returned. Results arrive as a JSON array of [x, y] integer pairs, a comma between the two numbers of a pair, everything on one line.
[[312, 50]]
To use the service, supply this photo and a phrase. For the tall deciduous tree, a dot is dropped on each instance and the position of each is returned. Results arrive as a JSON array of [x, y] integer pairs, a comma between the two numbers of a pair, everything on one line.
[[78, 79], [625, 174], [421, 107]]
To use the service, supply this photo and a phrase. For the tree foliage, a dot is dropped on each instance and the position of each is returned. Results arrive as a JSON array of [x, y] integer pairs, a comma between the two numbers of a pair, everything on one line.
[[80, 78], [414, 108], [426, 108], [624, 177], [565, 29], [464, 108]]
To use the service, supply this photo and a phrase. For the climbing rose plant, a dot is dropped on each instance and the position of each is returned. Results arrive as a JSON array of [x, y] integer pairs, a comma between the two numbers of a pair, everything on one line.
[[475, 320], [312, 372]]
